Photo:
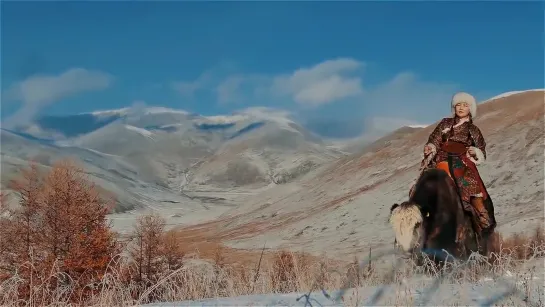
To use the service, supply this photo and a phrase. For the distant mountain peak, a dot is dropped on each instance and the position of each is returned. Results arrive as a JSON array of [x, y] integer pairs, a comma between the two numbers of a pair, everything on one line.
[[121, 111], [507, 94], [417, 126], [138, 110]]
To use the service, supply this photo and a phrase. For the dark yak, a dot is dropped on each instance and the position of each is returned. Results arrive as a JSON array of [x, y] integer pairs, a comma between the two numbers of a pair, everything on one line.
[[432, 217]]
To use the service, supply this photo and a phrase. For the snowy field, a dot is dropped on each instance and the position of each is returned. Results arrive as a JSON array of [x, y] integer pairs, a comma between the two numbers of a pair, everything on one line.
[[487, 292], [465, 284]]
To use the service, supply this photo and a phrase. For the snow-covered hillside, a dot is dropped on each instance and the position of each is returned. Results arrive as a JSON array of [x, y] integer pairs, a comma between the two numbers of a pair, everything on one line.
[[261, 156], [507, 94], [179, 151], [342, 207]]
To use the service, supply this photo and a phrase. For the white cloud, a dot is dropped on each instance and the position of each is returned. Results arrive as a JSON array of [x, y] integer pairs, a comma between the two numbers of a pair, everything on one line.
[[323, 83], [335, 86], [328, 90], [38, 91], [320, 84], [406, 95], [404, 100], [188, 88]]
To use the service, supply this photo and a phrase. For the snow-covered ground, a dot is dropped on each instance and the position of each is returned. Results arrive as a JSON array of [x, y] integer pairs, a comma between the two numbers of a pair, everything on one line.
[[506, 291], [511, 283]]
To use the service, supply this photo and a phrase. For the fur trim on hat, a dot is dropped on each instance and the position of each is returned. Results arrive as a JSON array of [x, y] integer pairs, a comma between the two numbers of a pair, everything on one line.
[[465, 97]]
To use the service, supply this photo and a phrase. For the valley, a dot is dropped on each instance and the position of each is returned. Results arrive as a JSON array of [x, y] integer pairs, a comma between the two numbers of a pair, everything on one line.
[[258, 178]]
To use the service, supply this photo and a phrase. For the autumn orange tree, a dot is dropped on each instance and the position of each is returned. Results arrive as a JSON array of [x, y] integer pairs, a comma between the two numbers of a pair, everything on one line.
[[20, 231], [172, 250], [60, 225], [154, 252], [5, 236], [146, 246]]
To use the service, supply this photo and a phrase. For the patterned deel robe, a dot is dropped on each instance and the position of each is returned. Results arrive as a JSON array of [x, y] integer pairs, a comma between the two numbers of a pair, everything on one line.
[[468, 134]]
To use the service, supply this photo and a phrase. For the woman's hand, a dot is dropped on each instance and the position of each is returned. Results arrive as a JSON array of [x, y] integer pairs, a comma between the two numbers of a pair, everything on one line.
[[472, 152], [427, 150]]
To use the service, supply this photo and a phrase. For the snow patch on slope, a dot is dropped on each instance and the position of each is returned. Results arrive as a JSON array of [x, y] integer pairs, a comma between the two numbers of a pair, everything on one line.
[[417, 126], [258, 115], [280, 117], [121, 111], [140, 131], [507, 94], [127, 110], [225, 119], [157, 110]]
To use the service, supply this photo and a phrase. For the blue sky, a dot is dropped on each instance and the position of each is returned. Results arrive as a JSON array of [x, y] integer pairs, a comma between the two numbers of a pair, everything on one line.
[[344, 67]]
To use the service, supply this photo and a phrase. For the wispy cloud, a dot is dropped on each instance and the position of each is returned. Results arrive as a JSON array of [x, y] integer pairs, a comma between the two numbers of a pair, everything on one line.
[[229, 89], [206, 81], [336, 86], [38, 91], [188, 88], [243, 88], [322, 83], [408, 96]]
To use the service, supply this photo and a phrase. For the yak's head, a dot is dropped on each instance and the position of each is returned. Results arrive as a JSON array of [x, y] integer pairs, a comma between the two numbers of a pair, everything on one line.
[[407, 221]]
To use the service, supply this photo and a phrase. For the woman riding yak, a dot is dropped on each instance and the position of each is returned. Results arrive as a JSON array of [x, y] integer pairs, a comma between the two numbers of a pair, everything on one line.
[[457, 146]]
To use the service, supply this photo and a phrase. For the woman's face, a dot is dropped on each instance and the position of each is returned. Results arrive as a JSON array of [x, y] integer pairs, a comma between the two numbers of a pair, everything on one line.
[[462, 109]]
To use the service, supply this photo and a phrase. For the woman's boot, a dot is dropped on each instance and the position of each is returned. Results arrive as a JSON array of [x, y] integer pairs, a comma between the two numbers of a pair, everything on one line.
[[483, 218]]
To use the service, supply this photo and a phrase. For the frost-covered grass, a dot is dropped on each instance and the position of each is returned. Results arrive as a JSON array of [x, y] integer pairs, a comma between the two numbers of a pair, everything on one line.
[[514, 275], [506, 281]]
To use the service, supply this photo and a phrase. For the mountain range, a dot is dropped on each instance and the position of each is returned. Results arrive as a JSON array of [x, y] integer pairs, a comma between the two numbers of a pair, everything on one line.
[[140, 151], [259, 175]]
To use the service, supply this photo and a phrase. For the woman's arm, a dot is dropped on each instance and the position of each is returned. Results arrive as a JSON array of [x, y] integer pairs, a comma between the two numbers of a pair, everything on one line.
[[435, 138], [479, 145]]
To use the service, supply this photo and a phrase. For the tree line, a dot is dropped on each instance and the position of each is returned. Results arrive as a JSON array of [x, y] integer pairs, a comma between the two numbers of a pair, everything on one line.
[[56, 236]]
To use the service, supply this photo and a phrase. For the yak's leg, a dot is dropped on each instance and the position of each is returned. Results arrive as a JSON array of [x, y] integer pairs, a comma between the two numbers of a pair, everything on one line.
[[471, 226], [492, 245], [460, 233], [460, 225]]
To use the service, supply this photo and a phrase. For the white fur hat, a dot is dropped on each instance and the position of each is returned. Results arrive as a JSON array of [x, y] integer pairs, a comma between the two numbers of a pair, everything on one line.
[[465, 97]]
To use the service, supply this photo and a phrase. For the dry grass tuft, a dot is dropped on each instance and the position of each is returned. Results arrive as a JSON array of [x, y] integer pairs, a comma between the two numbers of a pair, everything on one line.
[[522, 246]]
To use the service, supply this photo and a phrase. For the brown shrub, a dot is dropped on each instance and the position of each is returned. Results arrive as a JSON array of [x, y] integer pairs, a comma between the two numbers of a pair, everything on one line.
[[172, 250], [522, 246], [283, 272]]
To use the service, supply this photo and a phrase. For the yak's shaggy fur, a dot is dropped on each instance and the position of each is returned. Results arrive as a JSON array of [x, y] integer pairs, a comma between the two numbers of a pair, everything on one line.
[[430, 218]]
